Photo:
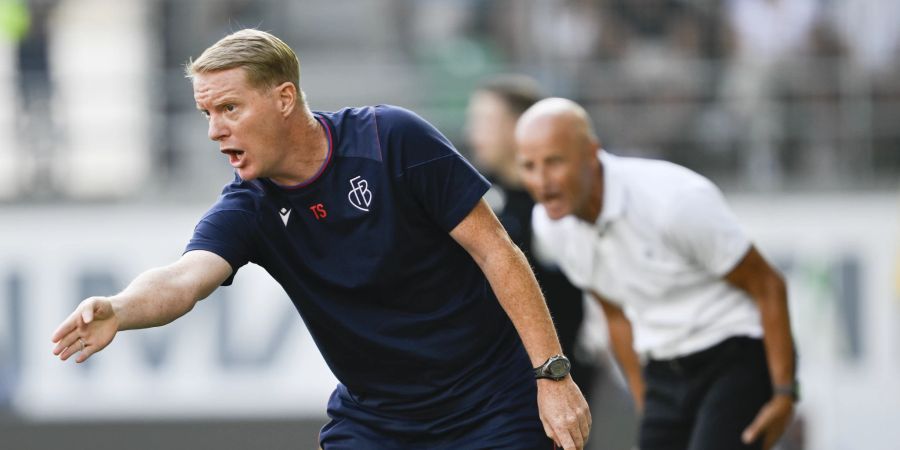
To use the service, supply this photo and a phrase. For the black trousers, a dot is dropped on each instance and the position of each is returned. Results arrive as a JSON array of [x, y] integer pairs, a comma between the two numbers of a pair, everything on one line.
[[705, 400]]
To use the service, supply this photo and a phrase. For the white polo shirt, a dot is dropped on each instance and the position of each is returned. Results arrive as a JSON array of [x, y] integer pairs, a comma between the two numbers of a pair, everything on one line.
[[660, 248]]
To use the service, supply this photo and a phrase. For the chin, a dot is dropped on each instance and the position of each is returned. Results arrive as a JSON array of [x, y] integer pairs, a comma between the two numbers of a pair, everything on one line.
[[555, 213], [247, 175]]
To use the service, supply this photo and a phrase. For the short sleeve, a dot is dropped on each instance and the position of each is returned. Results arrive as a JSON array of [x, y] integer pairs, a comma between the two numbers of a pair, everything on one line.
[[226, 233], [441, 180], [703, 228]]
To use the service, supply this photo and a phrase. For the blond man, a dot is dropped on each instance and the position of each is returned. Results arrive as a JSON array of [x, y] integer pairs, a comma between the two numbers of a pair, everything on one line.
[[374, 225]]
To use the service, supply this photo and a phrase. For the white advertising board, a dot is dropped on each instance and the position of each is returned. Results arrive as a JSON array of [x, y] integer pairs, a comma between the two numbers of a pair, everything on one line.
[[244, 352], [241, 352]]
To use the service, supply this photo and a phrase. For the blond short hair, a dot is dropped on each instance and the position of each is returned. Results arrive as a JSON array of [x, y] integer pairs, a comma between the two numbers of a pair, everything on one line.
[[267, 60]]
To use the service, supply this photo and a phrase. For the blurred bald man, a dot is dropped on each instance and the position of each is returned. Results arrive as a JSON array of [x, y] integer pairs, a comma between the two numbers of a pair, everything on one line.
[[686, 293]]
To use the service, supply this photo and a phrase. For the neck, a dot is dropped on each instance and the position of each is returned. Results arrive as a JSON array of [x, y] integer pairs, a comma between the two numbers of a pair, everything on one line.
[[306, 151], [594, 202]]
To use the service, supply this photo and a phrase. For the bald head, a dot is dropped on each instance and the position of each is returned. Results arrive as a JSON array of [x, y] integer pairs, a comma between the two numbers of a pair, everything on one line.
[[556, 152], [557, 116]]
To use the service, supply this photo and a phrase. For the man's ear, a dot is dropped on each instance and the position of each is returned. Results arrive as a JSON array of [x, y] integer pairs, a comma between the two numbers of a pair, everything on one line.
[[589, 148], [287, 97]]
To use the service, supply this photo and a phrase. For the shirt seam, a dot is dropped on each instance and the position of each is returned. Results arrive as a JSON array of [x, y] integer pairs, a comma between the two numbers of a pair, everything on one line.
[[429, 161], [211, 213], [377, 134]]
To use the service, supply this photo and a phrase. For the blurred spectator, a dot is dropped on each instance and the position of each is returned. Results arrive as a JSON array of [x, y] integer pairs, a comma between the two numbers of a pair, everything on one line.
[[14, 20], [102, 55], [26, 156], [789, 96], [765, 34], [564, 30], [555, 39], [870, 29], [34, 63], [656, 77], [36, 91]]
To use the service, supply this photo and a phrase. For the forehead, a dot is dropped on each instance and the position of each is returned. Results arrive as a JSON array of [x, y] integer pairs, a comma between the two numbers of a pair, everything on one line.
[[488, 102], [209, 86], [486, 99], [548, 133]]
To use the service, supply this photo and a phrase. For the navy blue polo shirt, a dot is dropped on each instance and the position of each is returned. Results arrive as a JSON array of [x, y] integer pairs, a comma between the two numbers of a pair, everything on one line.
[[402, 314]]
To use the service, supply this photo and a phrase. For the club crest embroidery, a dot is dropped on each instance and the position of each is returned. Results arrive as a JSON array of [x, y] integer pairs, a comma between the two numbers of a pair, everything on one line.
[[360, 196]]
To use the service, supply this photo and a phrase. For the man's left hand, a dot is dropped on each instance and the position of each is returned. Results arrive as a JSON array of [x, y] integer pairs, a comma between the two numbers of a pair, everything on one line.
[[564, 413], [771, 421]]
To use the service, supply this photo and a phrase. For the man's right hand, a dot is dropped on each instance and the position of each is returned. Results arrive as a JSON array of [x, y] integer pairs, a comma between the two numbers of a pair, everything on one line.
[[564, 413], [156, 297], [89, 329]]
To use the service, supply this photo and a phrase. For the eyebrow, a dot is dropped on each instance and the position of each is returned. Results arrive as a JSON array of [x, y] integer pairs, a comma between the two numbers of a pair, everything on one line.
[[223, 101]]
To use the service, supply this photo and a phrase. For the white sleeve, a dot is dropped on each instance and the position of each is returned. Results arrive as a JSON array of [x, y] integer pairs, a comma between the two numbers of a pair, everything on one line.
[[703, 228]]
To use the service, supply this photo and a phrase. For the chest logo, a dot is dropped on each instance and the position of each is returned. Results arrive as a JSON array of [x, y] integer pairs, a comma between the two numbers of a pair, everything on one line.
[[360, 196], [284, 213], [319, 211]]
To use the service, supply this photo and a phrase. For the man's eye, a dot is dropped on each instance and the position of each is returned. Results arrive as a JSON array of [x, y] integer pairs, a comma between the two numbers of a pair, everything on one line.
[[229, 107], [205, 114]]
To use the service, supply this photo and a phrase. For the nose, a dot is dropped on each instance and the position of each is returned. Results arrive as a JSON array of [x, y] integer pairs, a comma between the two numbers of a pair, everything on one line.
[[217, 130], [534, 178], [543, 176]]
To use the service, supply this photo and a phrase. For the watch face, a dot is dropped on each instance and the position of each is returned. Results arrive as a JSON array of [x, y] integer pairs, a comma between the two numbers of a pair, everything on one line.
[[558, 368]]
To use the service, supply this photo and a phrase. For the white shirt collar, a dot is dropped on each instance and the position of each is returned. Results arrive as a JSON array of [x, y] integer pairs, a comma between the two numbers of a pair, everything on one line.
[[613, 190]]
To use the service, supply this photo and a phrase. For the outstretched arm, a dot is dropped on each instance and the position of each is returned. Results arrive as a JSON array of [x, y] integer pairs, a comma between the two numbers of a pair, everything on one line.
[[564, 412], [755, 276], [156, 297]]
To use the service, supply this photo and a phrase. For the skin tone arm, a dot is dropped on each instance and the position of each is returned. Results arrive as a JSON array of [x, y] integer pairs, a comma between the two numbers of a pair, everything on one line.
[[156, 297], [622, 342], [563, 410], [756, 277]]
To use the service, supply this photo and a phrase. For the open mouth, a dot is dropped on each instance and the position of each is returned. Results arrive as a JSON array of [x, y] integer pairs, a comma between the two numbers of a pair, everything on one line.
[[549, 197], [234, 155]]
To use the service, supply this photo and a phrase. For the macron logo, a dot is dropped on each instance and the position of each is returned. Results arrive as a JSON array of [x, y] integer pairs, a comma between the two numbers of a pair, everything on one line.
[[284, 213]]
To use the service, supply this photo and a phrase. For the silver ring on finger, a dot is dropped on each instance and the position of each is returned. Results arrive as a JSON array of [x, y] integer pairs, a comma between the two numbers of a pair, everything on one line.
[[83, 345]]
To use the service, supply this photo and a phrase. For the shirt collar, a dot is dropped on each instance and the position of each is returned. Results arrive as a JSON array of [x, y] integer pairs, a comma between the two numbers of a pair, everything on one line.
[[613, 190]]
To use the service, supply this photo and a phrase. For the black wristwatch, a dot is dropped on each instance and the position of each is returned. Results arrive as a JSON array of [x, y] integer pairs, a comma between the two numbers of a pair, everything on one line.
[[556, 368], [791, 390]]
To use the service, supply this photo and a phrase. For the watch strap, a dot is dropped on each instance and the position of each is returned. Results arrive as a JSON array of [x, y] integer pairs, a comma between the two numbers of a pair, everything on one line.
[[791, 390]]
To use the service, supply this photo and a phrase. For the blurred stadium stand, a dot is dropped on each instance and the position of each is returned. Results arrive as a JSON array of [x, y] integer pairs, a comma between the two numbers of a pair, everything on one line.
[[769, 98], [762, 95]]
